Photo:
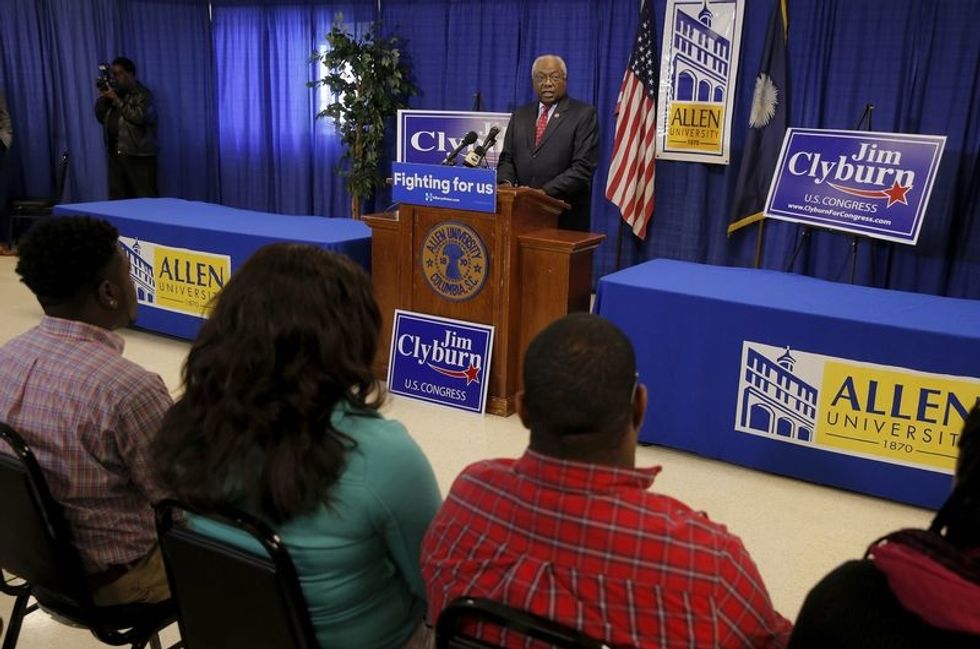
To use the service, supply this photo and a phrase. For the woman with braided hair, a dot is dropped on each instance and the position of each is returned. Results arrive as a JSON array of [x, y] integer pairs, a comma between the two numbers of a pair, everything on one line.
[[915, 588]]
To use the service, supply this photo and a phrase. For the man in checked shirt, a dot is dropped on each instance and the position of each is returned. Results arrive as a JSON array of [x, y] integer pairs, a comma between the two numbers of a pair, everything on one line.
[[88, 413], [569, 531]]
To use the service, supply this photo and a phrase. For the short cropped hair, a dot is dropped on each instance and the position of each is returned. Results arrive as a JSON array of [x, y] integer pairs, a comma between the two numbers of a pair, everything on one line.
[[579, 375], [561, 63], [125, 64], [60, 258]]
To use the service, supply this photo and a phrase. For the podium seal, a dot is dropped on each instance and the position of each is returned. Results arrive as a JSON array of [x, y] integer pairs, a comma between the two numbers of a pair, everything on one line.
[[454, 261]]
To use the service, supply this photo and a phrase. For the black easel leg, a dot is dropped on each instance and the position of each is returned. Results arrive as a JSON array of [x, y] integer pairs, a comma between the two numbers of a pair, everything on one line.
[[804, 237], [854, 257]]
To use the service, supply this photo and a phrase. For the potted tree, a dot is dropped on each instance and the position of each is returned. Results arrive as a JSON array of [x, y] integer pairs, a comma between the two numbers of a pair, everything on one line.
[[368, 80]]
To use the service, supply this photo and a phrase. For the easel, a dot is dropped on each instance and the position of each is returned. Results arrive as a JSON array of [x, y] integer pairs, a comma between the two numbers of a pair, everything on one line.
[[805, 236]]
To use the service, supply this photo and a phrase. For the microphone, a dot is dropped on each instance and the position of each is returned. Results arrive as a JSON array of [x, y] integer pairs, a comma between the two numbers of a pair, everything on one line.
[[475, 157], [467, 140]]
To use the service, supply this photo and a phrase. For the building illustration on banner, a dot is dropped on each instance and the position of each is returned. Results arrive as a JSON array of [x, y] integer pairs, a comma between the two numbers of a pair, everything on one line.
[[141, 271], [875, 412], [698, 75], [774, 400], [700, 57]]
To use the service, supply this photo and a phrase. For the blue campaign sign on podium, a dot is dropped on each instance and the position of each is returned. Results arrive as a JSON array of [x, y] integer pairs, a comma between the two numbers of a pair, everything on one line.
[[427, 136], [460, 188], [439, 360]]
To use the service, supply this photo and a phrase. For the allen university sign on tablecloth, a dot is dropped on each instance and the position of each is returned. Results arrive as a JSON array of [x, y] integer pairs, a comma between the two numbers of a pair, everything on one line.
[[175, 279], [878, 412]]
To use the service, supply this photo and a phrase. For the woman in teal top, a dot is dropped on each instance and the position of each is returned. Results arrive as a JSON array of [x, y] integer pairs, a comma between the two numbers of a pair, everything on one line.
[[279, 417]]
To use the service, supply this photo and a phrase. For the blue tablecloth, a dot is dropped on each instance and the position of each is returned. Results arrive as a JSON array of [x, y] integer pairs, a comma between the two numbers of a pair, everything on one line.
[[180, 247], [785, 373]]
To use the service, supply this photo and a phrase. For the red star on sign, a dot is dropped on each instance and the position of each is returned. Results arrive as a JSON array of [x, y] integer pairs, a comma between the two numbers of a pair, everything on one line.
[[472, 374], [896, 194]]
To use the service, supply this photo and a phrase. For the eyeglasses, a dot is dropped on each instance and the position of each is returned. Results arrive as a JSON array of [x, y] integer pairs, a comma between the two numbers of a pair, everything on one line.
[[554, 77]]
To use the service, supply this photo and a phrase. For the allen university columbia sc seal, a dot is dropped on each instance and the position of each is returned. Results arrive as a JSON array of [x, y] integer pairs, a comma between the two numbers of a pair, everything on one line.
[[454, 261]]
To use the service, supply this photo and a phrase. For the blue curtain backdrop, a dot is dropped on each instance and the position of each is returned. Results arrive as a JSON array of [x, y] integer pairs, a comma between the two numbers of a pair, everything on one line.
[[51, 49], [274, 155], [237, 125]]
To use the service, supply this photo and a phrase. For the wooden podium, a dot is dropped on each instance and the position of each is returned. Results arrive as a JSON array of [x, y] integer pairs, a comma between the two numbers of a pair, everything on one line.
[[511, 269]]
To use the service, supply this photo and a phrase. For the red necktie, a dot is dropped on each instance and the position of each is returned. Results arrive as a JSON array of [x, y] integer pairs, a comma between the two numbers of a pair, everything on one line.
[[541, 126]]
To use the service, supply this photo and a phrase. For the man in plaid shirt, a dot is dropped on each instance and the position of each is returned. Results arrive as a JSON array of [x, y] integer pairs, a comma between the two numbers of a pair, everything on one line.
[[87, 413], [570, 531]]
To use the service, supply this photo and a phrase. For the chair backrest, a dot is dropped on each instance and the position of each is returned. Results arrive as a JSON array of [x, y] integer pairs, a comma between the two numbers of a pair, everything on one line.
[[35, 542], [60, 178], [464, 610], [228, 597]]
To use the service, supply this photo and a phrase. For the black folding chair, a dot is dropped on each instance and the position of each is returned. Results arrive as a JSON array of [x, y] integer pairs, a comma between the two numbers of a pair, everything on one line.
[[34, 209], [228, 597], [464, 610], [35, 546]]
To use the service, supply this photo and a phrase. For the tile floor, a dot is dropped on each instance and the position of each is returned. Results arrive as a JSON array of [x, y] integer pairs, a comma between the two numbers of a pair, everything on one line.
[[795, 531]]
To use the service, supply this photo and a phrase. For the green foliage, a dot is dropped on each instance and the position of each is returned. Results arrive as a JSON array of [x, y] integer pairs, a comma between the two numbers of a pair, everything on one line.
[[368, 81]]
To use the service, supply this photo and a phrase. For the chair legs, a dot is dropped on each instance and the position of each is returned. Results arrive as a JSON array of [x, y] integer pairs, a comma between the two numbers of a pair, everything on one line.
[[153, 642], [16, 619]]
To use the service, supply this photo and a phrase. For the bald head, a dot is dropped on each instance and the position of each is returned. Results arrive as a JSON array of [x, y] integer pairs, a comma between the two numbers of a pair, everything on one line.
[[549, 75]]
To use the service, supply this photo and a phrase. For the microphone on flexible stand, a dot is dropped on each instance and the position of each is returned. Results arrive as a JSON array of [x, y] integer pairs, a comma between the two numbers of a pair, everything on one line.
[[467, 140], [475, 157]]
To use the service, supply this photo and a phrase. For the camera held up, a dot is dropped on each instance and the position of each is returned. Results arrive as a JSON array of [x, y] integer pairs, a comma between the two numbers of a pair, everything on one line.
[[105, 81]]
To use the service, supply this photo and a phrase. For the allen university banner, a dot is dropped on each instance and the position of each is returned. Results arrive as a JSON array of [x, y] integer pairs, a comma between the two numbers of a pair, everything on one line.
[[698, 67], [175, 279], [878, 412]]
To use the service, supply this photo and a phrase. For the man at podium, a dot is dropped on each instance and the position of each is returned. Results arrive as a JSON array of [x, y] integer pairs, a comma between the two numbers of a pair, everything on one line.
[[553, 144]]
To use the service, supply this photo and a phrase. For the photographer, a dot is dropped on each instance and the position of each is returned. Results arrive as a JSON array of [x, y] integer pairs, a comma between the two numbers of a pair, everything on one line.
[[128, 117]]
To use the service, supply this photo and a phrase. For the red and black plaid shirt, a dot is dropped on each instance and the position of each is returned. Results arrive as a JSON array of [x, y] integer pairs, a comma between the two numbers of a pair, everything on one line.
[[590, 547], [89, 415]]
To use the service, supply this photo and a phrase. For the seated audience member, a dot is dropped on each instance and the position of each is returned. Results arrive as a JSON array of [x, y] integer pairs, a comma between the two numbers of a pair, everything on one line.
[[570, 531], [914, 589], [280, 418], [88, 413]]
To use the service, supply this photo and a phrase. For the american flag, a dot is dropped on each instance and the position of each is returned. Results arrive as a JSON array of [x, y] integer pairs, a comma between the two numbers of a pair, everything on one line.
[[630, 182]]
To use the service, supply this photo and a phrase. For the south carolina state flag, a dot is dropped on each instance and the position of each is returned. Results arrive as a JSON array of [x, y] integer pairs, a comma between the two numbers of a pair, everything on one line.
[[767, 125]]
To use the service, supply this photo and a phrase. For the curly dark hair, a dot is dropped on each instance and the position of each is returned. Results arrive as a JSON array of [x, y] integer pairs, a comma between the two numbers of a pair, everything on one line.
[[292, 335], [60, 258]]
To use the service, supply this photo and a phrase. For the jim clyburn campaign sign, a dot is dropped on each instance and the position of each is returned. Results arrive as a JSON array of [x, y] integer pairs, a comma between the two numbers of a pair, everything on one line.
[[428, 136], [440, 360], [460, 188], [871, 184]]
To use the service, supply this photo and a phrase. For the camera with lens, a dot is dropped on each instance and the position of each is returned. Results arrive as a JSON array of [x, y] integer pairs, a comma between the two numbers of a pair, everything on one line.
[[105, 81]]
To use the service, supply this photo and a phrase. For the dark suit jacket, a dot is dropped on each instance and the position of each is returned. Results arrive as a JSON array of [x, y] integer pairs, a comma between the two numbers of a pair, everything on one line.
[[564, 162]]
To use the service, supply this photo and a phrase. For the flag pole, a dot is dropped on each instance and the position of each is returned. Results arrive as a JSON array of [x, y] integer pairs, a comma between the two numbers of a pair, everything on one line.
[[760, 236], [619, 245]]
